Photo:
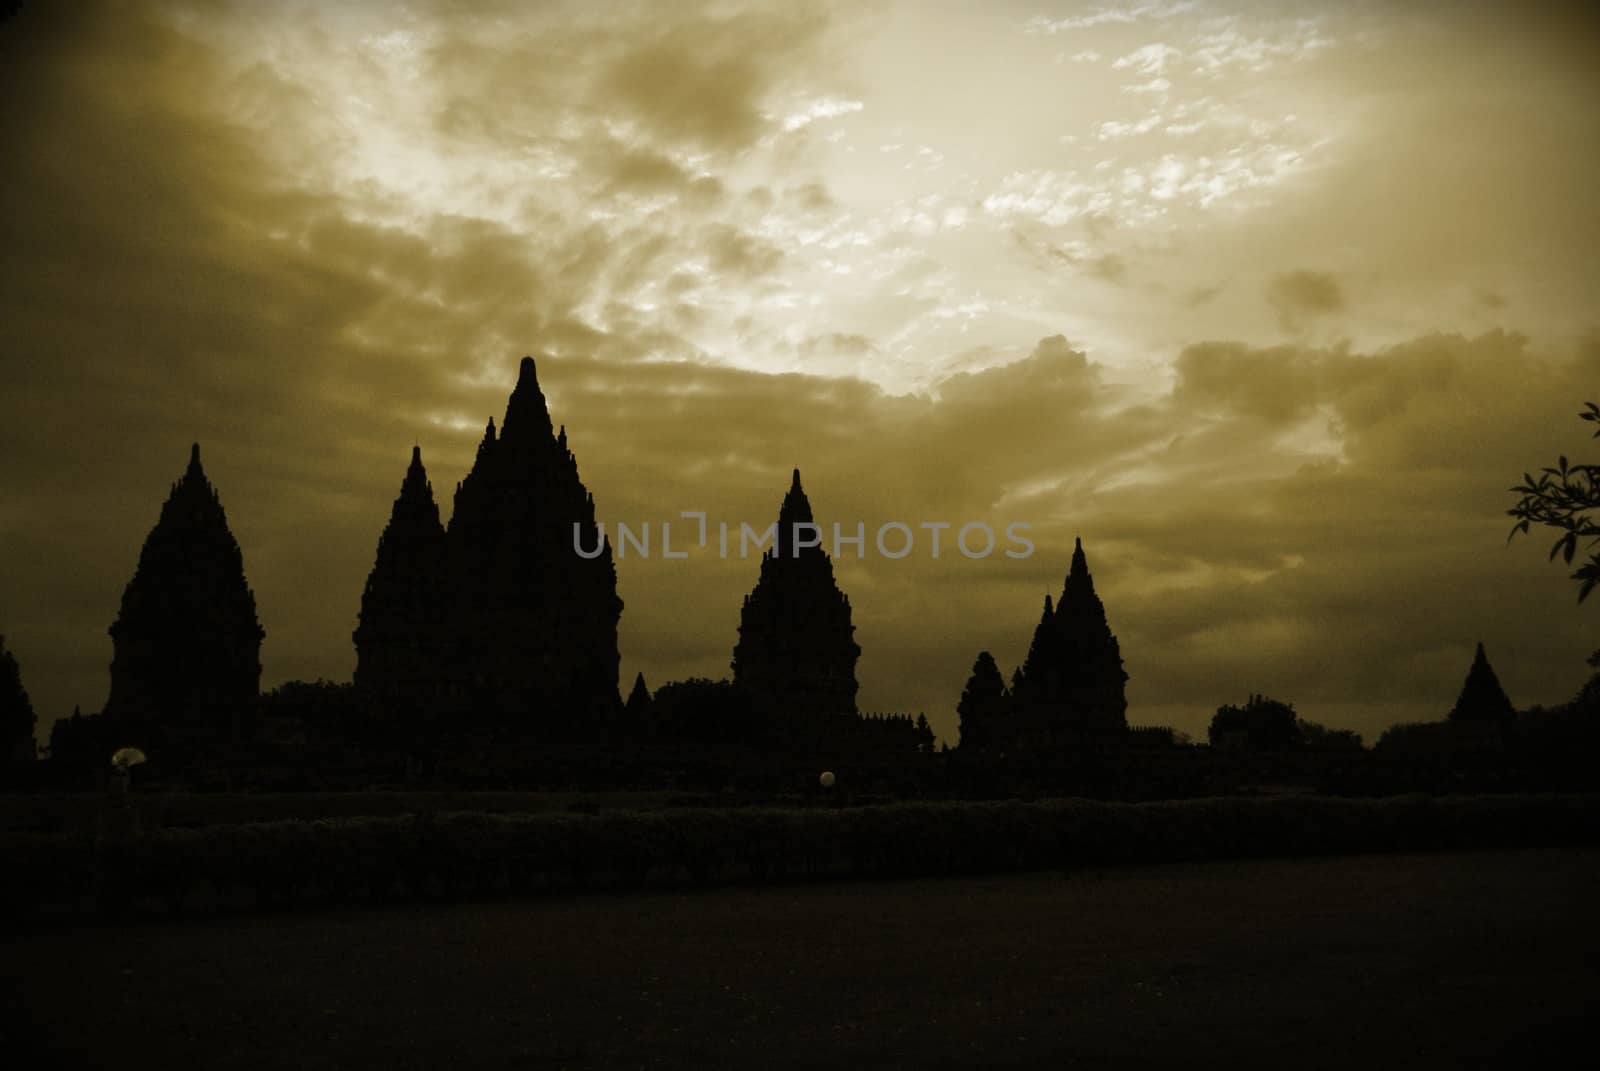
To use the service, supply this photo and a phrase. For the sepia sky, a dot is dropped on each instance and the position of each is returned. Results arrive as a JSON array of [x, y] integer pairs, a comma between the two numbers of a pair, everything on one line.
[[1270, 302]]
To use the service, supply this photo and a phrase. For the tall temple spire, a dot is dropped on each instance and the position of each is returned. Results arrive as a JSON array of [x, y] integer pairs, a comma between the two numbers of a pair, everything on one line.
[[796, 509], [497, 615], [536, 622], [186, 642], [399, 637], [526, 412], [416, 481], [1079, 570], [796, 641], [1072, 682]]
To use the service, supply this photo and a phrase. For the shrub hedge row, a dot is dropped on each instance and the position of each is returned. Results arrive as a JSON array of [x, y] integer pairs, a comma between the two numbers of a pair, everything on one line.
[[71, 812], [447, 855]]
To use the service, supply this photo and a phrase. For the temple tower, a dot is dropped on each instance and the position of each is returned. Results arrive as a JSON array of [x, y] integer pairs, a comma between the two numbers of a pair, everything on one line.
[[796, 644], [1483, 702], [1072, 683], [400, 641], [186, 643], [533, 622]]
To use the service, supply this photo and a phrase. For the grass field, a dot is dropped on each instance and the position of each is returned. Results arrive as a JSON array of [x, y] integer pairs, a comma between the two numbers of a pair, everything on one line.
[[1429, 960]]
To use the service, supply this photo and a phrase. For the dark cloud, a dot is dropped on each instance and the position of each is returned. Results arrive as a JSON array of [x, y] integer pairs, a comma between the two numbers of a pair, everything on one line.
[[1301, 296], [1230, 378]]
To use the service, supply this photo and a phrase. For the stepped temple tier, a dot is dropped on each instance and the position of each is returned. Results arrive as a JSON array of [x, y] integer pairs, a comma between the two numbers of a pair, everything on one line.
[[186, 645], [1071, 685], [796, 646], [495, 614]]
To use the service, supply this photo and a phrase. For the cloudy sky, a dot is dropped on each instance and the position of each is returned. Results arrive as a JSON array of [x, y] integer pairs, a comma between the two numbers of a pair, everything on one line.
[[1270, 302]]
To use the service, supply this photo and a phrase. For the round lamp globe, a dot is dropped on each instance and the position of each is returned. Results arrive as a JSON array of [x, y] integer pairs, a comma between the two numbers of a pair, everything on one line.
[[826, 780]]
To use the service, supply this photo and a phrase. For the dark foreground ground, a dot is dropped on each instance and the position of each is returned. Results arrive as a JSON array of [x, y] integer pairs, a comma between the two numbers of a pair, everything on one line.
[[1445, 960]]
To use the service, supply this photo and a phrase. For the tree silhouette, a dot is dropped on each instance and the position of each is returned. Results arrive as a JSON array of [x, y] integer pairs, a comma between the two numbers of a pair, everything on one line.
[[1318, 737], [16, 711], [705, 711], [1588, 697], [1565, 497], [1262, 724], [983, 704]]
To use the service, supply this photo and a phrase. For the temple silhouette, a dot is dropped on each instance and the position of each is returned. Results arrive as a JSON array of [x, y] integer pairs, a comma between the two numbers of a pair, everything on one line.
[[1483, 702], [483, 641], [186, 643], [1069, 692], [400, 641], [496, 615], [796, 647], [1072, 682]]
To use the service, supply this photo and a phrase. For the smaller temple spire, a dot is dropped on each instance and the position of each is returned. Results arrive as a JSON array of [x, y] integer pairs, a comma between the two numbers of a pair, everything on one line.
[[487, 443], [416, 481], [194, 472], [186, 641], [1078, 577], [1482, 698], [526, 412], [639, 699], [796, 644], [796, 509]]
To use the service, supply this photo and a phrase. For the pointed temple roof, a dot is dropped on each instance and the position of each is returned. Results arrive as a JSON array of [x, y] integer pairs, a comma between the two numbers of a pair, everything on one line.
[[796, 642], [1074, 664], [639, 696], [796, 509], [497, 613], [1482, 698], [187, 642], [1078, 573], [527, 415], [399, 622], [416, 481]]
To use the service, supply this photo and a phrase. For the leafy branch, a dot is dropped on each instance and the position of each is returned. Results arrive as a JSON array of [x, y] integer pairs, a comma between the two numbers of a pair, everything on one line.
[[1565, 497]]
